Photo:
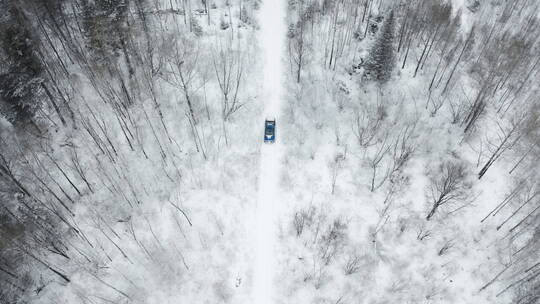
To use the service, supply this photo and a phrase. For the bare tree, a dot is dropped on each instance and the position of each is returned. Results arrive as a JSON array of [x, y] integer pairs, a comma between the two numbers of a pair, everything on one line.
[[448, 186], [367, 124], [182, 70], [297, 47], [229, 68], [336, 166], [508, 137], [375, 161]]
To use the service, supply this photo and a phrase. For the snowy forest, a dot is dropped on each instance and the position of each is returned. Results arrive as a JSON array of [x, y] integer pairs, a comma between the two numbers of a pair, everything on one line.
[[405, 169]]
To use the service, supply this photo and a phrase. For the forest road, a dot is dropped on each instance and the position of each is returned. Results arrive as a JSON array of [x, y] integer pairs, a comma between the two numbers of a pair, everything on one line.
[[269, 205]]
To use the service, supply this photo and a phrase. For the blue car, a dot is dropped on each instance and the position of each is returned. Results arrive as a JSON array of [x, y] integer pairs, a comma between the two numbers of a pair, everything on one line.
[[269, 131]]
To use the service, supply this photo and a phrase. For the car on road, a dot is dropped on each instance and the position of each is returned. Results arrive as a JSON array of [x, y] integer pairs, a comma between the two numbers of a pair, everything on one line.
[[270, 131]]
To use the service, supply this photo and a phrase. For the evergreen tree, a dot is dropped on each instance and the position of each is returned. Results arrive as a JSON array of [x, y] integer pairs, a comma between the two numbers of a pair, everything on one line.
[[106, 29], [20, 68], [380, 62]]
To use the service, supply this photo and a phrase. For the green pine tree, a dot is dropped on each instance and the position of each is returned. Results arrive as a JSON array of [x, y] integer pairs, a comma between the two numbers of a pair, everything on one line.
[[380, 62]]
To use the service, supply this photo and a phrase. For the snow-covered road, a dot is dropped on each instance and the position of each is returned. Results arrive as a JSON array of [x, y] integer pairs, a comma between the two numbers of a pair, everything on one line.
[[271, 40]]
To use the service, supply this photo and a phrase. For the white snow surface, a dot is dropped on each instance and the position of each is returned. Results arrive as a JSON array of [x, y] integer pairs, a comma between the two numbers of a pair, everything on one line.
[[272, 35]]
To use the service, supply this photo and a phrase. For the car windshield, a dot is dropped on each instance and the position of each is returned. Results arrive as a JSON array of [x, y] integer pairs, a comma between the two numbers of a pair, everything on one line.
[[269, 129]]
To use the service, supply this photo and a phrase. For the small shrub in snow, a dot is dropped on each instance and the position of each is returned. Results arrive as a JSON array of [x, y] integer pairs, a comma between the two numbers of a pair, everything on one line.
[[302, 219], [196, 27], [223, 24], [244, 16], [353, 264], [445, 248], [423, 234], [473, 5], [332, 240], [256, 4]]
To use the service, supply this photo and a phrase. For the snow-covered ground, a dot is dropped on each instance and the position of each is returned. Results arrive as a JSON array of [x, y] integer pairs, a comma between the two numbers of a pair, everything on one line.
[[269, 201]]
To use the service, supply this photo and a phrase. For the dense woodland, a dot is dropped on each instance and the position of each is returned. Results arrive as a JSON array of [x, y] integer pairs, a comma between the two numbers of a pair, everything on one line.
[[111, 111], [130, 132], [426, 141]]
